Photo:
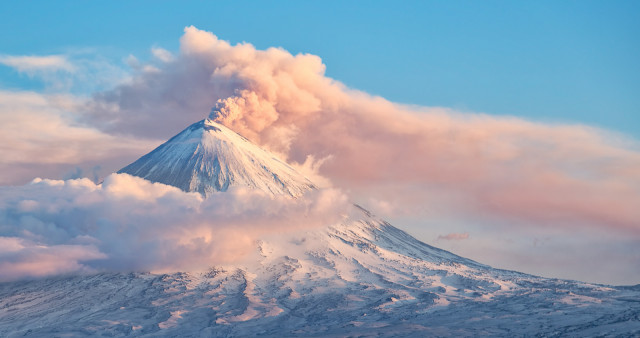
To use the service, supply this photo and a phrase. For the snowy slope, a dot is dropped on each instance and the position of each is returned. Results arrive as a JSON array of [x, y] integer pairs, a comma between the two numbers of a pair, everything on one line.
[[361, 277], [208, 157]]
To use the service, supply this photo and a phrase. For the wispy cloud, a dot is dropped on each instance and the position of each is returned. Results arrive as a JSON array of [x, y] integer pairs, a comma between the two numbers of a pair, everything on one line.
[[31, 64], [79, 71]]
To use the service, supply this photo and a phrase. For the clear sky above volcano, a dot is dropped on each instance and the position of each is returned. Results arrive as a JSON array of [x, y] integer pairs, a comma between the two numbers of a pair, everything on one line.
[[570, 61]]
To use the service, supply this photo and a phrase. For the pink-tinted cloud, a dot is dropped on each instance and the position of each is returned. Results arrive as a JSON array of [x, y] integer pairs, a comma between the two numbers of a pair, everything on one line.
[[40, 137], [21, 258], [533, 173], [30, 64], [507, 180]]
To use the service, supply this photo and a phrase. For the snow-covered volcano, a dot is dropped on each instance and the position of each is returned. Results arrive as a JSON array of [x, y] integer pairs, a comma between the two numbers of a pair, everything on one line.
[[358, 277], [208, 157]]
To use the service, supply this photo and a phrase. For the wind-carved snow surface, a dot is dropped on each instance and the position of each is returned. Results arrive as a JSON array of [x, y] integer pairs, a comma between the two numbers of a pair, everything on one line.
[[357, 277], [208, 157]]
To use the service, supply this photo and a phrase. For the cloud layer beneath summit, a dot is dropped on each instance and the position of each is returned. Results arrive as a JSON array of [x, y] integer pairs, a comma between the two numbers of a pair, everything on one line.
[[51, 227], [509, 168]]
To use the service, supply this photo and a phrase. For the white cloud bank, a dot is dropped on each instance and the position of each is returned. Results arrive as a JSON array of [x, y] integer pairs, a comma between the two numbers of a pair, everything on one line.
[[129, 224]]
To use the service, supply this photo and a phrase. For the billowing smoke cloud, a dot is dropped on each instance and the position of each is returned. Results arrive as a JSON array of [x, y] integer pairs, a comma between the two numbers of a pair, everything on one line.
[[127, 223], [403, 157]]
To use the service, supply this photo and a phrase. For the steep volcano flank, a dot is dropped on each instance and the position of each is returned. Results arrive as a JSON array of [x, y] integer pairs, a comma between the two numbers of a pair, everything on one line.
[[208, 157]]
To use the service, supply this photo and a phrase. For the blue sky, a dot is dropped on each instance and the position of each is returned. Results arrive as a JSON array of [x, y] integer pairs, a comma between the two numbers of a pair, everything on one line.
[[571, 61]]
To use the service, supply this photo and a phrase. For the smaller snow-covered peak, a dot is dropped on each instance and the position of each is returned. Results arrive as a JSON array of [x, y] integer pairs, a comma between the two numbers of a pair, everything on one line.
[[207, 157]]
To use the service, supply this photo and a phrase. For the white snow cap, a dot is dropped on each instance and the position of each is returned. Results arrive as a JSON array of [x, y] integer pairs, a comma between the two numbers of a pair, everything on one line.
[[208, 157]]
